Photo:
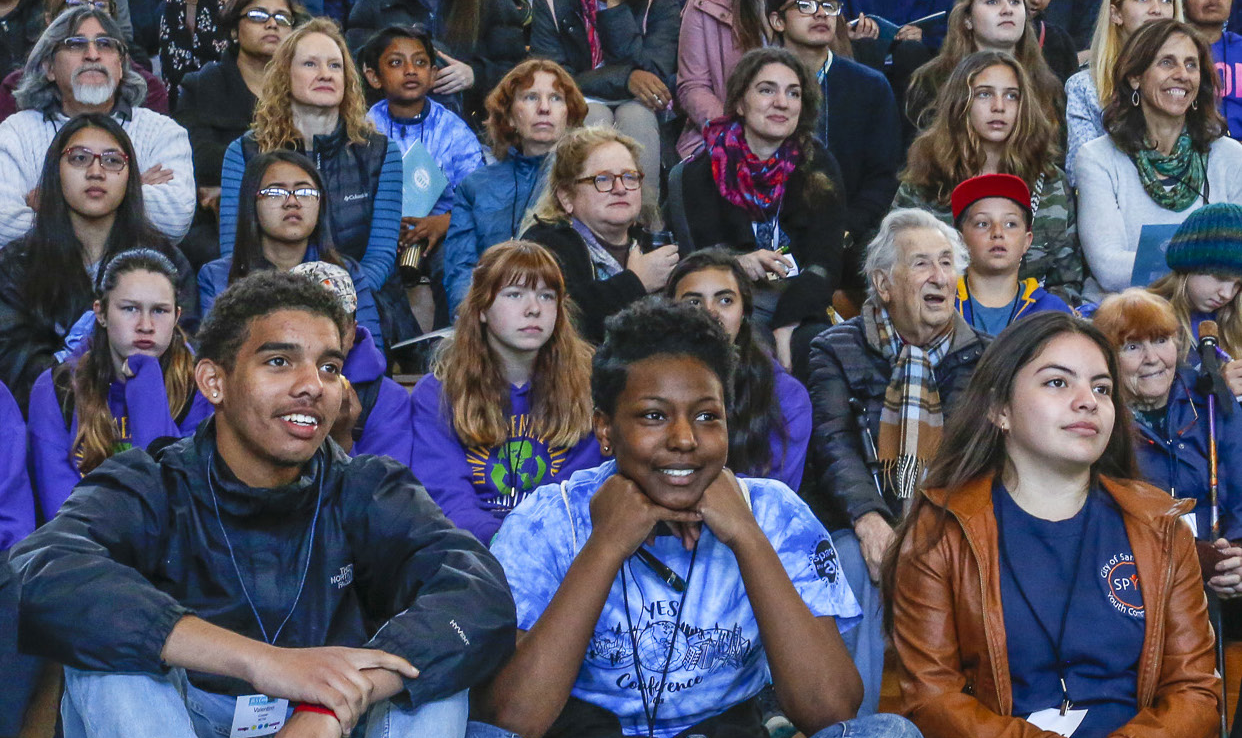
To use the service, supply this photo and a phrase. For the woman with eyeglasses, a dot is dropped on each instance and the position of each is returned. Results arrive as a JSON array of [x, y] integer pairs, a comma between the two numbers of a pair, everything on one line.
[[278, 227], [90, 209], [770, 192], [588, 217], [216, 103]]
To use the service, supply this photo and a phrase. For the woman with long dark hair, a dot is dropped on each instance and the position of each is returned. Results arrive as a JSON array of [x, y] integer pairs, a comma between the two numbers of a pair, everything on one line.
[[1036, 584], [506, 407], [1166, 153], [133, 385], [768, 190], [90, 209], [770, 418], [988, 122], [279, 226]]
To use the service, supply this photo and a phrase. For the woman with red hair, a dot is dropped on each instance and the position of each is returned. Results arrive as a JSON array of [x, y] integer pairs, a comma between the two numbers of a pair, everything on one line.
[[507, 405]]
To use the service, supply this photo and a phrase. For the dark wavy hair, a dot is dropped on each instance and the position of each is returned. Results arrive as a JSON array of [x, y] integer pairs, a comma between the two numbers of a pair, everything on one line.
[[1124, 120], [748, 67], [52, 251], [973, 446], [248, 248], [227, 326], [654, 326], [85, 387], [754, 414]]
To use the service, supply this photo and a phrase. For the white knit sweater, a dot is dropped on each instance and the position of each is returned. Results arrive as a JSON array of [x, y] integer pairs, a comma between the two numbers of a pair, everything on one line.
[[157, 139], [1113, 207]]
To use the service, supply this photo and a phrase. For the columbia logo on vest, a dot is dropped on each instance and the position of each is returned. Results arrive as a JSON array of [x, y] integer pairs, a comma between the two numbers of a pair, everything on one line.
[[358, 196]]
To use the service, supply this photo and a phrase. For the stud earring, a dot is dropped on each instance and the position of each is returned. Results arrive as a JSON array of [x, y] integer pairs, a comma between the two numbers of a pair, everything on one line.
[[215, 394], [605, 449]]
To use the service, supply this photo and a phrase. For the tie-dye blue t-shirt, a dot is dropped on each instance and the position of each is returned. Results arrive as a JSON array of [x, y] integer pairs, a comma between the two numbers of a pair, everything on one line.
[[715, 656]]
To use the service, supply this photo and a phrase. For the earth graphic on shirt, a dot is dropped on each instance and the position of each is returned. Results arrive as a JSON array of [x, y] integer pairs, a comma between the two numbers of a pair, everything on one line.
[[661, 642], [513, 468]]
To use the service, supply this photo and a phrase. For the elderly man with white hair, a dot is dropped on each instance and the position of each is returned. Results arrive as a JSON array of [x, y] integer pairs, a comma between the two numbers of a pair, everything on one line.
[[81, 65], [904, 360]]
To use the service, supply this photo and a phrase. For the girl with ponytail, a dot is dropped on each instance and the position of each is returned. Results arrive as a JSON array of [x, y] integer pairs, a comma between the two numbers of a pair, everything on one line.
[[133, 385]]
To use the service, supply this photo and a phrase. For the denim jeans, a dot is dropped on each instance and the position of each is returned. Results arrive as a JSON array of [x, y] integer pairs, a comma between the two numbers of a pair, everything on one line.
[[873, 726], [864, 641], [108, 704]]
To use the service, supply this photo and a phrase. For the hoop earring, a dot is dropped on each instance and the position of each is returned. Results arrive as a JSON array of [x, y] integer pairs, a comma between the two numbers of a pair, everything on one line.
[[1134, 99], [1194, 104]]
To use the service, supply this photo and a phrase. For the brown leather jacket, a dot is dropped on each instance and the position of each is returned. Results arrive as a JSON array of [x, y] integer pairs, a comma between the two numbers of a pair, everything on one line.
[[949, 629]]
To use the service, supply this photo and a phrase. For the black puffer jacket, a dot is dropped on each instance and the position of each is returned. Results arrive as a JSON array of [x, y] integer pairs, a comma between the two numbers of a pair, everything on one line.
[[637, 34], [844, 365], [138, 546]]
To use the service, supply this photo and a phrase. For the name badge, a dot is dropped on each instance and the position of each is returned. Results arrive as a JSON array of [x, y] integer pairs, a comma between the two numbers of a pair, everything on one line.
[[1052, 720], [258, 715]]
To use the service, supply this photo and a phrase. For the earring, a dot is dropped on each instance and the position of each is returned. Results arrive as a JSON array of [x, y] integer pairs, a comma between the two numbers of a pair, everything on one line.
[[215, 394], [1134, 99], [970, 26], [606, 449], [1194, 104]]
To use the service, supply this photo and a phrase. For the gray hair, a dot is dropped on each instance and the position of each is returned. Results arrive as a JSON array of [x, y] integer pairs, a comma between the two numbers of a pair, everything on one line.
[[37, 92], [882, 251]]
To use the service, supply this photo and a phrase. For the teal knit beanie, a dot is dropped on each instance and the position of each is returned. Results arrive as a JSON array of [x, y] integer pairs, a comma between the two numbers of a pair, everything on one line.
[[1208, 242]]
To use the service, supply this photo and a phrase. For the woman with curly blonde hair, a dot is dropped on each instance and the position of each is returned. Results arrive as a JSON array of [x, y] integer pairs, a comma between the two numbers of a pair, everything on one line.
[[527, 113], [507, 407], [988, 122], [313, 103]]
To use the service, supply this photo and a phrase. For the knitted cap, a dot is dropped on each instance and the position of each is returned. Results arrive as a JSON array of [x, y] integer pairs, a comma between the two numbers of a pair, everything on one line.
[[1208, 242], [333, 277], [978, 188]]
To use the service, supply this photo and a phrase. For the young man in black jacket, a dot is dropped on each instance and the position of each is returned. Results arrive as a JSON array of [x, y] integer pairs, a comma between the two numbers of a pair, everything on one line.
[[286, 585]]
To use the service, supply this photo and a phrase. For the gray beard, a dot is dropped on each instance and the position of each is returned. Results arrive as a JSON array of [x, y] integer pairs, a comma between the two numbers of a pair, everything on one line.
[[87, 94]]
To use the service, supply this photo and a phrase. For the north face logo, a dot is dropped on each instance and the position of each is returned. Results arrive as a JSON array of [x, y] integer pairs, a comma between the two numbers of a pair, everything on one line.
[[344, 578]]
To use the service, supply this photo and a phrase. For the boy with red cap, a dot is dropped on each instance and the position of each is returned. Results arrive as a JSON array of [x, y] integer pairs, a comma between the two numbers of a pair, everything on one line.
[[993, 214]]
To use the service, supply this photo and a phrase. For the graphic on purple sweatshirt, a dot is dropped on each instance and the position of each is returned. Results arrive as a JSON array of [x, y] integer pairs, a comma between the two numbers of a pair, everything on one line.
[[139, 409], [477, 486]]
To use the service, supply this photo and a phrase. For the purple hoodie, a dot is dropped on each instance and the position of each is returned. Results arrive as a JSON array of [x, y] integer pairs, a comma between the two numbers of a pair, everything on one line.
[[788, 457], [387, 428], [140, 408], [17, 513], [477, 487]]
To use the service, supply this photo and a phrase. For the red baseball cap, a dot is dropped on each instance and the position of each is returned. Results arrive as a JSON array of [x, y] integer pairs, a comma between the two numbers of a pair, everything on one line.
[[990, 185]]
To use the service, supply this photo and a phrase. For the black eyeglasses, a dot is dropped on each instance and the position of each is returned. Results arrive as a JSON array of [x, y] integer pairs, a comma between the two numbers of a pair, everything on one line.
[[280, 194], [604, 181], [79, 44], [96, 4], [80, 157], [259, 15], [811, 7]]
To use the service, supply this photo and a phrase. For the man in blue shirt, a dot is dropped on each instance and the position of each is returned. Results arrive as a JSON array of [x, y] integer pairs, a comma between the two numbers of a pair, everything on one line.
[[1210, 18]]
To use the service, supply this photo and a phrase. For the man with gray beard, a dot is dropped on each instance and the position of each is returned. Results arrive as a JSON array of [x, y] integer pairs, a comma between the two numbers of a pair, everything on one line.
[[81, 65]]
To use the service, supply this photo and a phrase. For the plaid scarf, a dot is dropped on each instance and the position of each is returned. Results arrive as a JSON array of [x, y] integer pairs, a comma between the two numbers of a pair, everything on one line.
[[589, 10], [912, 418], [752, 185]]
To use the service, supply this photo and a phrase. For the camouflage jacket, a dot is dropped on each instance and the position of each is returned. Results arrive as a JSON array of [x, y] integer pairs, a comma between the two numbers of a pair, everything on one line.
[[1055, 258]]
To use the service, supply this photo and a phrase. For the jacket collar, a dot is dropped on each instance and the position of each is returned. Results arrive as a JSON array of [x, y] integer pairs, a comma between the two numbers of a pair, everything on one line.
[[1136, 499]]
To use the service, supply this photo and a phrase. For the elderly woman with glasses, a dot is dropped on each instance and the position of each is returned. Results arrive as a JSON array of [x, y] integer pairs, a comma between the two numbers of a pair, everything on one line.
[[588, 216]]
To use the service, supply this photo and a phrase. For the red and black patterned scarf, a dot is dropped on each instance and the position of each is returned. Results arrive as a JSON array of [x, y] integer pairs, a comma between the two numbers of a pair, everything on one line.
[[743, 179]]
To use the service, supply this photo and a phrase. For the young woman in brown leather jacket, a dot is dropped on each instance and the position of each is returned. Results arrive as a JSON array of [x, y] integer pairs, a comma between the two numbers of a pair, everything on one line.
[[1036, 588]]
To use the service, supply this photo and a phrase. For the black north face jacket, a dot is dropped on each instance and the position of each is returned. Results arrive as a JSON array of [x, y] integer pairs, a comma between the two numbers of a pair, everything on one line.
[[139, 545]]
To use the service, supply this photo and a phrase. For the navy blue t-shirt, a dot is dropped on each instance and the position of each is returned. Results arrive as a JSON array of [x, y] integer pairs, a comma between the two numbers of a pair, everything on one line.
[[1104, 624]]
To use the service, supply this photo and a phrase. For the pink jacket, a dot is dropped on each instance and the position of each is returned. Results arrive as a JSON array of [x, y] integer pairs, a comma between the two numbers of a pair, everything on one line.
[[707, 53]]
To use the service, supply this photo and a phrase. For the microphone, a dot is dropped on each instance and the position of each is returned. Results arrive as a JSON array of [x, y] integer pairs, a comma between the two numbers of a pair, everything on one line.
[[1211, 380]]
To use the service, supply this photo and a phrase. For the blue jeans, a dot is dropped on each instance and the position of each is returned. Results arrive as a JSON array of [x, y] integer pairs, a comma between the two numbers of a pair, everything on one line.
[[864, 641], [109, 704], [873, 726]]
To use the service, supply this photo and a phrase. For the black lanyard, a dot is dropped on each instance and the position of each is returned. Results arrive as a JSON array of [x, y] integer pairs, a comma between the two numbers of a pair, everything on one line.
[[650, 710], [1056, 643]]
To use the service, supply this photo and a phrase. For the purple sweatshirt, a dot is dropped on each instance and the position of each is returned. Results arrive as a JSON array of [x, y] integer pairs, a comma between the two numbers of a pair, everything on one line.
[[476, 487], [139, 407], [17, 513], [788, 457], [387, 428]]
